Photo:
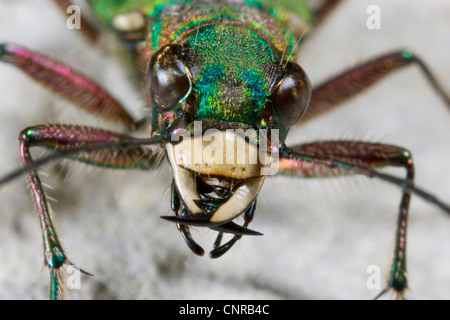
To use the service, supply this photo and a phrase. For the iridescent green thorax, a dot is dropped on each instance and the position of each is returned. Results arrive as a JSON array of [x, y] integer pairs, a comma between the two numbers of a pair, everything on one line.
[[233, 70], [182, 16]]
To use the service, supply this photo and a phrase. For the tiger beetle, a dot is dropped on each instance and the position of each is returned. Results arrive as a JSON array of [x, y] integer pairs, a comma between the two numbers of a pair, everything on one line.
[[221, 66]]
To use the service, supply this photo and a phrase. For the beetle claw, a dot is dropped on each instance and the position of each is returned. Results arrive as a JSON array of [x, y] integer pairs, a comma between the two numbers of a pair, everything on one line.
[[191, 220], [231, 227], [201, 221]]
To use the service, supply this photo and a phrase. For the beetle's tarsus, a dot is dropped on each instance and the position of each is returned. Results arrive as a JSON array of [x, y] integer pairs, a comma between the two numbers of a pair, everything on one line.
[[56, 290], [399, 295]]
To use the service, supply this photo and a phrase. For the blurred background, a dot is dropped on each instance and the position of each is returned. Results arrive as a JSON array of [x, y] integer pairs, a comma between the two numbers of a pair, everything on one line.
[[320, 236]]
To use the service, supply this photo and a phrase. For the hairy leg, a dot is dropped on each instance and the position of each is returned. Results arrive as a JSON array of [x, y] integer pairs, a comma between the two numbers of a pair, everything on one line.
[[356, 80], [66, 137], [66, 82], [334, 158]]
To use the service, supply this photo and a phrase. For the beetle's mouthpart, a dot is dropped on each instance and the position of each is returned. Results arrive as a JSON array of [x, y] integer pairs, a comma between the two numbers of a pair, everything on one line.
[[228, 227], [246, 177]]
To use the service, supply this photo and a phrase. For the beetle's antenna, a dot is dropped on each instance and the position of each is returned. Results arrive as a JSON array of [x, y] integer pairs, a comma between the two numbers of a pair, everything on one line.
[[404, 184], [295, 47], [284, 50], [63, 153]]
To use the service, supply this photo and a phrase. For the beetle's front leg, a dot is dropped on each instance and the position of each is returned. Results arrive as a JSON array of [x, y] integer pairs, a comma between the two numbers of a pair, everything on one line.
[[54, 256], [67, 137], [334, 158]]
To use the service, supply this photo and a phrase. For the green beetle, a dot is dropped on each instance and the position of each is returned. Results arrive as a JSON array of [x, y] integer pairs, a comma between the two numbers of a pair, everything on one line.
[[230, 66]]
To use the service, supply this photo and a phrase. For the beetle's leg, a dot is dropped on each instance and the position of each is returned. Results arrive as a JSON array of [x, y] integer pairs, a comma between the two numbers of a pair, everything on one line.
[[66, 137], [352, 82], [88, 29], [219, 249], [332, 158], [322, 13], [70, 84]]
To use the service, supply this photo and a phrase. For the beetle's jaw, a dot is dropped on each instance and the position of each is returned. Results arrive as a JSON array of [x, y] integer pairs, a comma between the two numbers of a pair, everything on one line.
[[203, 161]]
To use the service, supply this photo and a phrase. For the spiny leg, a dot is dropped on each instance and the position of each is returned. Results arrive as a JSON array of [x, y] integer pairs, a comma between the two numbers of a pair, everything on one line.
[[66, 137], [352, 82], [89, 30], [66, 82], [333, 158]]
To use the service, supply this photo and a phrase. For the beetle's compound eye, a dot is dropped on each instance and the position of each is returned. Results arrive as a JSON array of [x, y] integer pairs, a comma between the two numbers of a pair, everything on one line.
[[291, 97], [168, 80]]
